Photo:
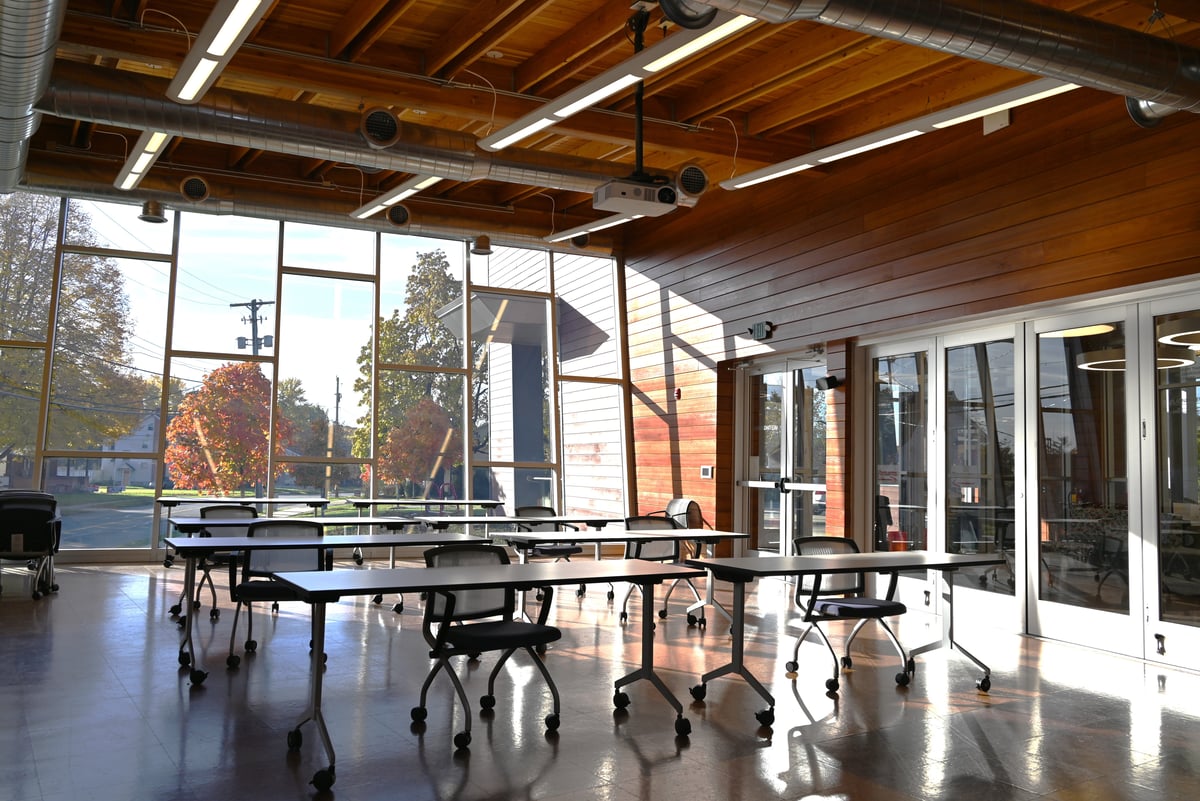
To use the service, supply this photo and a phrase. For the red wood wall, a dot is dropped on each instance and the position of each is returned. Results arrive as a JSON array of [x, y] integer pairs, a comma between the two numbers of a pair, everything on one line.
[[1070, 199]]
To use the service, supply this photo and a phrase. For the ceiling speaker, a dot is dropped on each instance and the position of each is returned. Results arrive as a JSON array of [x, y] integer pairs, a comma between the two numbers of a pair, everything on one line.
[[380, 127], [398, 215], [194, 188], [692, 183], [581, 240]]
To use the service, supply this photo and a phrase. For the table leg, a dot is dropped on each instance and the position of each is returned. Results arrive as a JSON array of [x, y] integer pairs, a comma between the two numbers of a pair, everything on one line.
[[683, 726], [737, 664], [323, 779], [984, 683], [709, 596], [187, 650]]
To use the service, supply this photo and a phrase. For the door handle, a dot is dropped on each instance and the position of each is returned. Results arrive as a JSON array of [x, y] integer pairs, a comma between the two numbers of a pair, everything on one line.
[[781, 482]]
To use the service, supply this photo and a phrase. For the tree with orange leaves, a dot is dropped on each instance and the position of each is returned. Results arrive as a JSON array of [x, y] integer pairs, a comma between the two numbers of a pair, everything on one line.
[[217, 442], [425, 441]]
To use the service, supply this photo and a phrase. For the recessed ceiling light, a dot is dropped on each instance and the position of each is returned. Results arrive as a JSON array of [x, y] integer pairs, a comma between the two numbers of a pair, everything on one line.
[[494, 54]]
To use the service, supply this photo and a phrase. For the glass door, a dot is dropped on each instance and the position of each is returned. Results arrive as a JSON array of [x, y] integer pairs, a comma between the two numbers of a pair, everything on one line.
[[1082, 463], [783, 467]]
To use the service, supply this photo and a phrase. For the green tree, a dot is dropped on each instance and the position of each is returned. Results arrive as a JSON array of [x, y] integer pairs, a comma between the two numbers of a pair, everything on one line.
[[217, 442], [95, 397], [415, 336]]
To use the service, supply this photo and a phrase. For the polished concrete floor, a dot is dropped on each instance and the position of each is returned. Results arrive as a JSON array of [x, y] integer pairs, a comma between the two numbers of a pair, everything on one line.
[[94, 706]]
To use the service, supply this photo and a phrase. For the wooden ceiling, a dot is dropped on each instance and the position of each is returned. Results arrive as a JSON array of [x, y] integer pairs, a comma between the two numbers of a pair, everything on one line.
[[772, 92]]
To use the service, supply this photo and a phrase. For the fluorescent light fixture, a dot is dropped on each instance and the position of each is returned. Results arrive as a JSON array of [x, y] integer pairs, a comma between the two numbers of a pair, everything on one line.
[[1080, 331], [223, 33], [1026, 93], [593, 227], [402, 192], [671, 50], [145, 152]]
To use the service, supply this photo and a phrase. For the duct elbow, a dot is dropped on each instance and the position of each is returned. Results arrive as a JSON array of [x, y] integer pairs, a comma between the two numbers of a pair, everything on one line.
[[1147, 113]]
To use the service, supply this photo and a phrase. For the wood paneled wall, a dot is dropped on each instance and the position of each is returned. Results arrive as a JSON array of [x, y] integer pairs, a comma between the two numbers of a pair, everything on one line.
[[1070, 199]]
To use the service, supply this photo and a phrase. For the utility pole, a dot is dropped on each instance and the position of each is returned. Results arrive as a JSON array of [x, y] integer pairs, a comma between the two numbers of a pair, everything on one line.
[[337, 398], [255, 341]]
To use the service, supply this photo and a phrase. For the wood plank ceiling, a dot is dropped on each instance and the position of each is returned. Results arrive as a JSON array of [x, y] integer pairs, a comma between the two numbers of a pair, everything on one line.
[[465, 68]]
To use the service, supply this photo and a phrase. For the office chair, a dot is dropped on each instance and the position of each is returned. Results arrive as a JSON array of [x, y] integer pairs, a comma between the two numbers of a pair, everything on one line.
[[650, 550], [211, 561], [558, 551], [468, 622], [839, 596], [251, 573], [31, 531]]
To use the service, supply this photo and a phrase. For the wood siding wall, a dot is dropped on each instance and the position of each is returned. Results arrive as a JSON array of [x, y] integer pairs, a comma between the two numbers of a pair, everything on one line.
[[1071, 199]]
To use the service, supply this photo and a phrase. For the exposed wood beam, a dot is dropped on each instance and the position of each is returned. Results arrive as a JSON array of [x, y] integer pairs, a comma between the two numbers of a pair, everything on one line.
[[564, 54], [358, 18]]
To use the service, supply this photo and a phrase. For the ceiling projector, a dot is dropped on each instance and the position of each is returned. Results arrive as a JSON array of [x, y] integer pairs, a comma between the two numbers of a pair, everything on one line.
[[629, 196]]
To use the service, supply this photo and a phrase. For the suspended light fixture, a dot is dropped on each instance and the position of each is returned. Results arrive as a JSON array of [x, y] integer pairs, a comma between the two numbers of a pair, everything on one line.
[[223, 33], [482, 246], [152, 212], [1184, 332]]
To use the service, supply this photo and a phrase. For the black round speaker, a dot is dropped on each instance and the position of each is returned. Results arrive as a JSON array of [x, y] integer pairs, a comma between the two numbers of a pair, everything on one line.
[[581, 240], [194, 188], [693, 180], [380, 127], [398, 215]]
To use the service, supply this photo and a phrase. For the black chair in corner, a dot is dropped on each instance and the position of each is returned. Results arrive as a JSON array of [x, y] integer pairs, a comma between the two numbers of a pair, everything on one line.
[[840, 596], [31, 531], [251, 573], [558, 551], [650, 550], [208, 563], [469, 622]]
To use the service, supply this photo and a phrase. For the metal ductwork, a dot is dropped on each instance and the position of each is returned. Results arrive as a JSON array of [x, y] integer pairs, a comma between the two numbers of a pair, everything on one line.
[[28, 36], [1161, 76], [111, 97]]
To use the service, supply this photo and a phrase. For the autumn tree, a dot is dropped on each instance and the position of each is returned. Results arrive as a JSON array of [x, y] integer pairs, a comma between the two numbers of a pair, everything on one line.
[[423, 447], [416, 336], [217, 442], [96, 397]]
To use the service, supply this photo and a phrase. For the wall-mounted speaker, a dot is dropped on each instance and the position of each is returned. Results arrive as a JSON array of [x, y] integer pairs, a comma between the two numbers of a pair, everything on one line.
[[692, 182]]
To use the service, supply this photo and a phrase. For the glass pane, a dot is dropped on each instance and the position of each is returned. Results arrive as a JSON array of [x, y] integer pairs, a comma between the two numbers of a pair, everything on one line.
[[217, 436], [419, 447], [107, 351], [901, 434], [516, 486], [331, 480], [320, 247], [225, 294], [116, 226], [980, 441], [765, 454], [1178, 381], [512, 268], [420, 307], [587, 340], [1082, 501], [27, 259], [511, 331], [808, 453], [593, 458], [324, 345], [106, 502], [20, 391]]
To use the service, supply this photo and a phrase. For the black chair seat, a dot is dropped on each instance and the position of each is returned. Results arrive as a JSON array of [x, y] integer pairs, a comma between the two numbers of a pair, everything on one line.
[[858, 608], [556, 551], [500, 635], [252, 591]]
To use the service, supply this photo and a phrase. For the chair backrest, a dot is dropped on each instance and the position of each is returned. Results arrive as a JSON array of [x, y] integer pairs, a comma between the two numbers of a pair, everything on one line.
[[652, 550], [225, 512], [278, 560], [834, 583], [28, 522], [536, 511], [469, 604]]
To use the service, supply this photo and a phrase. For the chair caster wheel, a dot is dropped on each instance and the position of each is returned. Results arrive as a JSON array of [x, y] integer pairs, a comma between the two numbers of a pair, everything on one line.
[[175, 609], [251, 646], [984, 684], [611, 595], [378, 599], [418, 714], [624, 616], [323, 779], [462, 740], [791, 667], [214, 614], [699, 691], [487, 702], [765, 717], [185, 658], [831, 685], [902, 679], [579, 593], [232, 661], [847, 663], [198, 677], [662, 614], [294, 740], [683, 727], [552, 722], [398, 608], [620, 700]]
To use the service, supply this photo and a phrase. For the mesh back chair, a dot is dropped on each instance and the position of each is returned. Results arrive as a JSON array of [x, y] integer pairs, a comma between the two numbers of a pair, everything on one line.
[[839, 596], [558, 551], [686, 514], [251, 573], [206, 565], [468, 622], [31, 531], [650, 550]]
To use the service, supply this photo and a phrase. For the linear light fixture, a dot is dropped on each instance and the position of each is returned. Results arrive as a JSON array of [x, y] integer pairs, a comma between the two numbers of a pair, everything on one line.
[[593, 227], [145, 152], [402, 192], [645, 64], [1001, 101], [223, 33]]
